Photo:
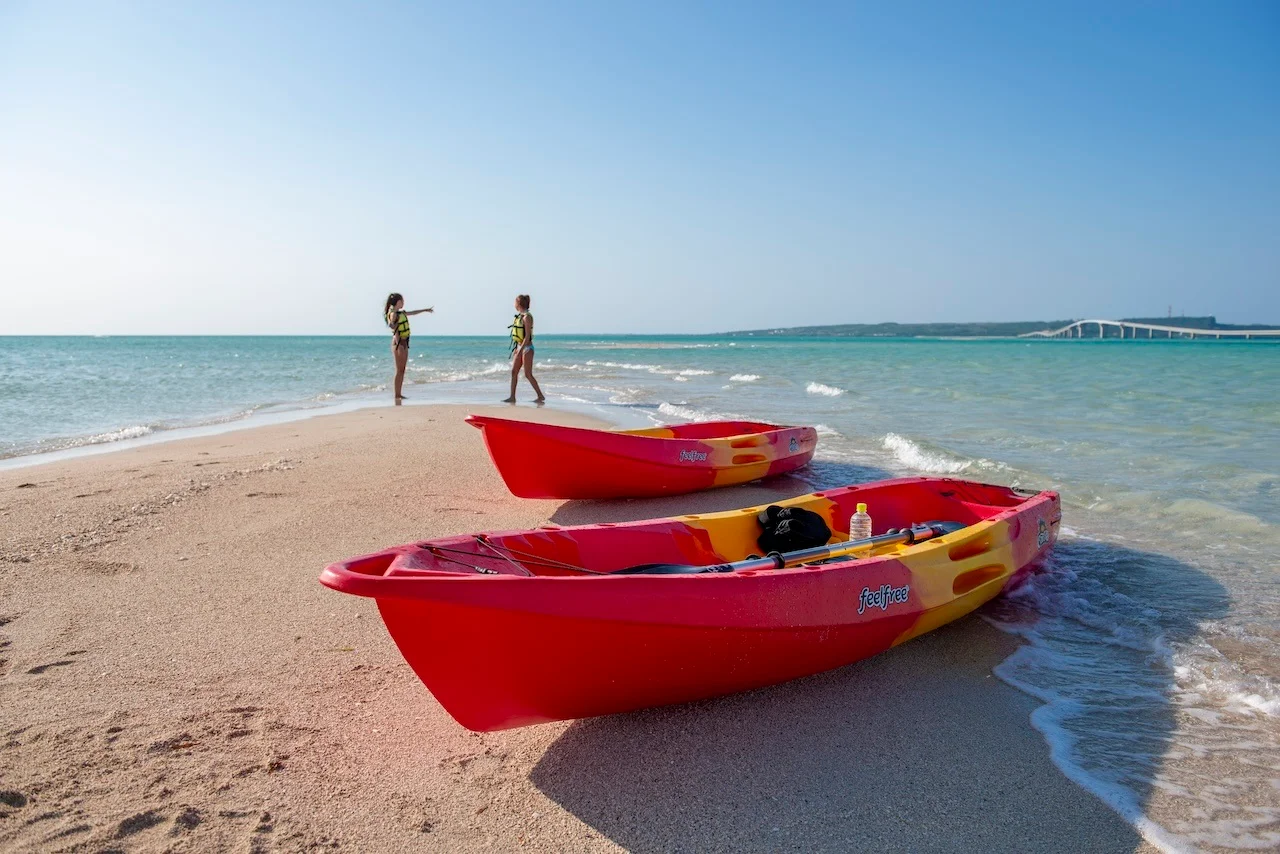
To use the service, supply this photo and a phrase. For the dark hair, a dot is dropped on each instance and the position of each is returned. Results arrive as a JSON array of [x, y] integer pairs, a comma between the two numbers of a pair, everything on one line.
[[392, 299], [523, 301]]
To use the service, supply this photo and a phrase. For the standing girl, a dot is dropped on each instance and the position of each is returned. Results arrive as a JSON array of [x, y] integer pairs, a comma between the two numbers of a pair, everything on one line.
[[522, 349], [398, 320]]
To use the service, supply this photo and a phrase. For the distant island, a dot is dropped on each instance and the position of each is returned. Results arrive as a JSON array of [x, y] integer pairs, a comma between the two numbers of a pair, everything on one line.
[[977, 330]]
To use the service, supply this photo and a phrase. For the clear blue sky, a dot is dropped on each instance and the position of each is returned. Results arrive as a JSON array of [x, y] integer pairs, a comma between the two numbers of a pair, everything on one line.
[[278, 167]]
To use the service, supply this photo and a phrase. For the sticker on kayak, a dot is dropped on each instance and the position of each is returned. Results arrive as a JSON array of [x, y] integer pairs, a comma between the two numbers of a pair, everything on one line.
[[1042, 535], [795, 444], [883, 597], [692, 456]]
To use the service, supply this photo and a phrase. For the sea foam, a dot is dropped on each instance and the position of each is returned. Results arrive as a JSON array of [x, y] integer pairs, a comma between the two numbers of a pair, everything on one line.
[[826, 390], [1141, 708]]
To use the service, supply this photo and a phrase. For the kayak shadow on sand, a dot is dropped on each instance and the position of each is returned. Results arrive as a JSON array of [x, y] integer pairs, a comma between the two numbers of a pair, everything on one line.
[[920, 748], [818, 475]]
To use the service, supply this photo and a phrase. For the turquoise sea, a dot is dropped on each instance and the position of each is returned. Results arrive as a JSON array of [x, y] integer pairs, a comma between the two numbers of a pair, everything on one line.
[[1154, 635]]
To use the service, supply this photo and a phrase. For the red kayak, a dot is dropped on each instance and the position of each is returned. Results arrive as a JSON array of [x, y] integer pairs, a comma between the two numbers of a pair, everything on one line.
[[515, 628], [549, 461]]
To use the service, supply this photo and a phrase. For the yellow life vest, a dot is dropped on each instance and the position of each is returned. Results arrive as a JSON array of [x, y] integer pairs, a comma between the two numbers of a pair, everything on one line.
[[517, 332], [400, 325]]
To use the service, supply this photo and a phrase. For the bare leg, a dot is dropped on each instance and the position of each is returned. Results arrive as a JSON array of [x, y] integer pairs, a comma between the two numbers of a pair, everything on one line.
[[515, 377], [528, 374], [402, 361]]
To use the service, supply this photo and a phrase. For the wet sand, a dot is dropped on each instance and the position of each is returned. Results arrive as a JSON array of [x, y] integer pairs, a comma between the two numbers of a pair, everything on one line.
[[172, 677]]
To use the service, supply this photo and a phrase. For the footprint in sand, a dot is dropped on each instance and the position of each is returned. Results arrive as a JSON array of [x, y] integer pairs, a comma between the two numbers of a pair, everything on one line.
[[105, 567], [68, 831], [187, 820], [262, 827], [138, 823], [41, 668], [414, 814], [183, 741], [91, 494], [5, 643], [11, 798]]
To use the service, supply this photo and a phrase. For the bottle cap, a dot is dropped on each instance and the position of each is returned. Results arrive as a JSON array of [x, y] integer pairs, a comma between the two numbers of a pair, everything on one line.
[[862, 508]]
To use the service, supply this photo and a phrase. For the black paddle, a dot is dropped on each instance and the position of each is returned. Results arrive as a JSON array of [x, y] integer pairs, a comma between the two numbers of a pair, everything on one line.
[[774, 560]]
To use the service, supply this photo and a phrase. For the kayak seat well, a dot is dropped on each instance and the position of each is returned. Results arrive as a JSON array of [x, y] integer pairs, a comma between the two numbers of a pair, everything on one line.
[[701, 539], [713, 430]]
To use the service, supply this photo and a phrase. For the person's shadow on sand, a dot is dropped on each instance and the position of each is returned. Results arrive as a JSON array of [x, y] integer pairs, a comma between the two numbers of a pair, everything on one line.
[[918, 749]]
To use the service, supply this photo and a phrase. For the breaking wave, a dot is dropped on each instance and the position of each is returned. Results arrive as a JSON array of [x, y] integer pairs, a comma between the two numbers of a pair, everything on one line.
[[914, 456], [683, 412], [137, 431], [658, 370], [439, 375]]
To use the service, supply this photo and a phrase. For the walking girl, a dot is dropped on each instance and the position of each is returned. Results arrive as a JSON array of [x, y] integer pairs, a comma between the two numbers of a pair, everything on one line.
[[522, 349]]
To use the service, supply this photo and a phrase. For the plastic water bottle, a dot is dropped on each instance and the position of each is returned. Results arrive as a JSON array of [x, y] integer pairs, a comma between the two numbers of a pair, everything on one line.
[[860, 524]]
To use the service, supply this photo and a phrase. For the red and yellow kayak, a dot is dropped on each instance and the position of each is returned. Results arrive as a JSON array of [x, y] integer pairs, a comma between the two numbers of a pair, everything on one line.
[[521, 627], [549, 461]]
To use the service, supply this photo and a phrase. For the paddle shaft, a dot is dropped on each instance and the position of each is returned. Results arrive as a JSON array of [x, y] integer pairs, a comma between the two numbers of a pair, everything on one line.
[[914, 534]]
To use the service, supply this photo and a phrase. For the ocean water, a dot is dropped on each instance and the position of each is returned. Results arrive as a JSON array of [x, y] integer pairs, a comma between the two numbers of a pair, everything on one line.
[[1153, 635]]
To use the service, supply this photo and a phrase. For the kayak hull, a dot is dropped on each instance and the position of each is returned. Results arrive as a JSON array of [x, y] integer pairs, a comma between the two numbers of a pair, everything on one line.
[[504, 634], [614, 667], [552, 461]]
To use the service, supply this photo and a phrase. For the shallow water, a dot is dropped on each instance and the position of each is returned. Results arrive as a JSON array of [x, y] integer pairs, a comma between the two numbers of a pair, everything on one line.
[[1153, 636]]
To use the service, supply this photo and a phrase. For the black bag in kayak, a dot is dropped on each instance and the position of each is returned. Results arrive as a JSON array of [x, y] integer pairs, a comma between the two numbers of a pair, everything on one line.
[[787, 529]]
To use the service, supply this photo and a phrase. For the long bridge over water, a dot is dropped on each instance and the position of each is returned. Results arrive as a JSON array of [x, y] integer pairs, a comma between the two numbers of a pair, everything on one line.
[[1133, 329]]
